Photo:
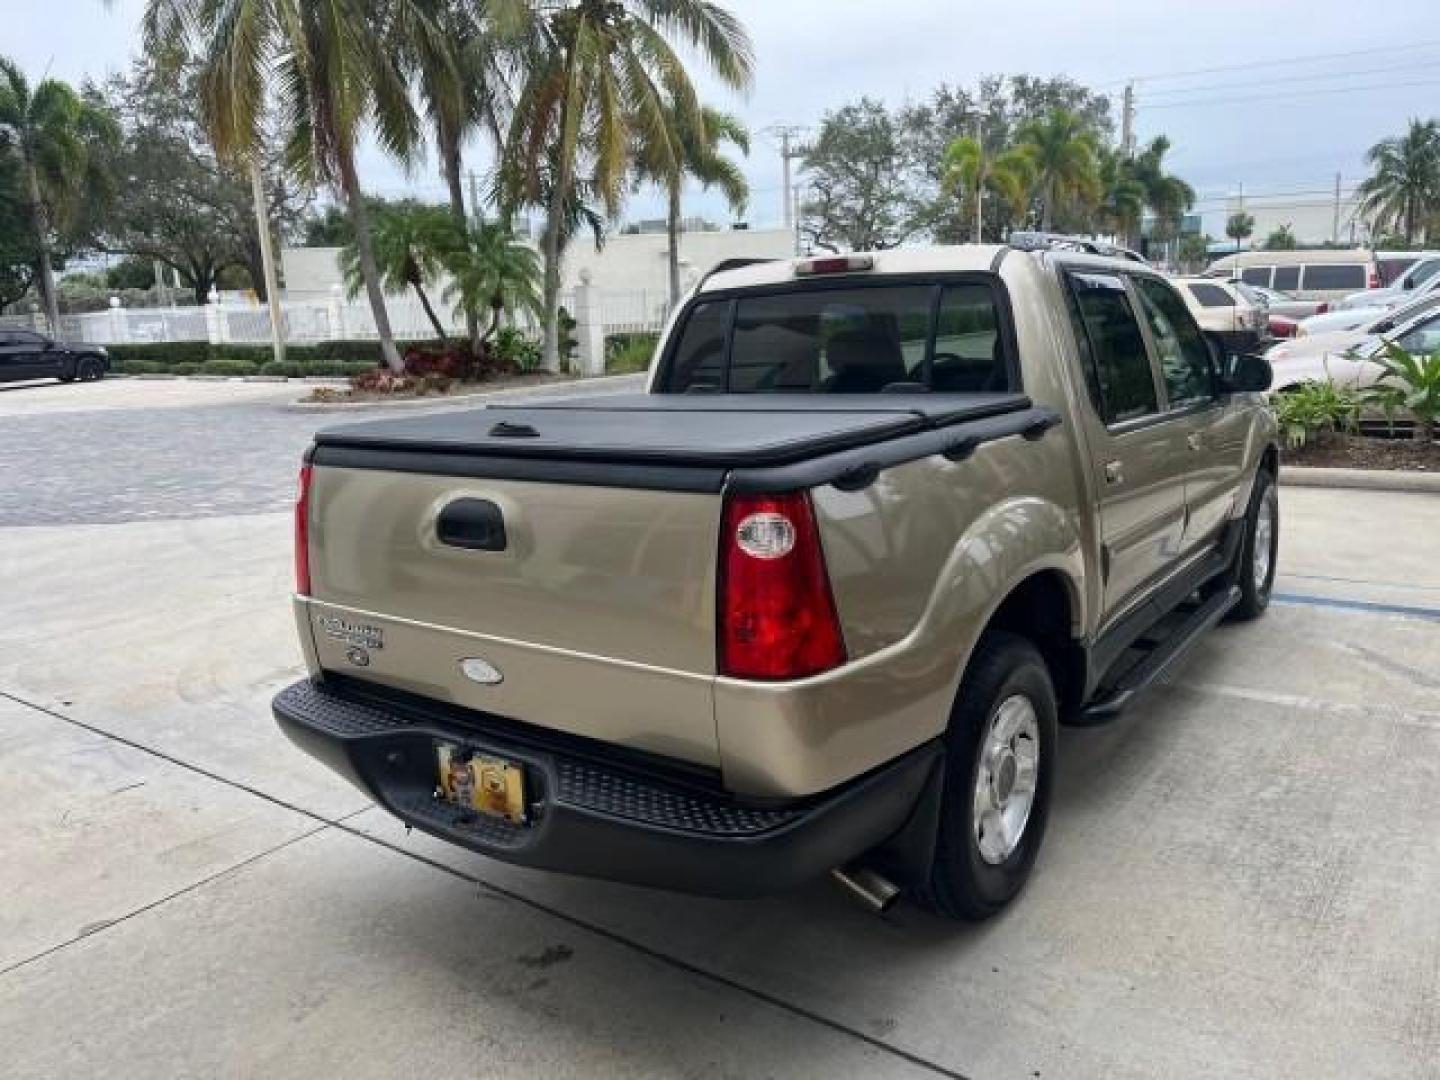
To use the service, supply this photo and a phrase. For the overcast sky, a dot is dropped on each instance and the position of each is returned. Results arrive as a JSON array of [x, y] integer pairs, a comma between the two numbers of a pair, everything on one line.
[[1276, 125]]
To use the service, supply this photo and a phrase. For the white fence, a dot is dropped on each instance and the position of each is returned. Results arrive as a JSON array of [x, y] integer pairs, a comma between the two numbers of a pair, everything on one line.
[[598, 312]]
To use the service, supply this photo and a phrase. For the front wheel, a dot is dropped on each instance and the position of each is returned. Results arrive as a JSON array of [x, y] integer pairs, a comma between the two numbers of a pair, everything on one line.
[[1255, 573], [999, 759], [90, 369]]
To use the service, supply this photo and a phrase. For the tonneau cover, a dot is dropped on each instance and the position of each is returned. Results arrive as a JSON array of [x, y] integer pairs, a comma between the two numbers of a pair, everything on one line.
[[715, 430]]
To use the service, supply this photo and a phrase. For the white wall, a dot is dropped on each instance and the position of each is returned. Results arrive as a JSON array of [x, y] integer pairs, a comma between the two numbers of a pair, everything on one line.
[[632, 264], [1311, 219]]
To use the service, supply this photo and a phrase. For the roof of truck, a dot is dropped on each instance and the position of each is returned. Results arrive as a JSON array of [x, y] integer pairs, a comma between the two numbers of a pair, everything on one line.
[[916, 260]]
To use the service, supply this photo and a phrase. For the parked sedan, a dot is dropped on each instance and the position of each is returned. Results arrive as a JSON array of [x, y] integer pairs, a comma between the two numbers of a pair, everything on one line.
[[24, 354], [1394, 313], [1281, 303], [1420, 272], [1346, 357]]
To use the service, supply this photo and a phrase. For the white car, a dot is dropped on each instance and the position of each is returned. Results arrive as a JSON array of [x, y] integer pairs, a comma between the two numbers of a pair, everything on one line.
[[1357, 318], [1221, 309], [1280, 303], [1344, 357], [1418, 274]]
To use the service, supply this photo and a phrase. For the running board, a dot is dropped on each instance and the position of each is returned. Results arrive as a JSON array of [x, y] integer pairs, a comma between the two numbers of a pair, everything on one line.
[[1156, 661]]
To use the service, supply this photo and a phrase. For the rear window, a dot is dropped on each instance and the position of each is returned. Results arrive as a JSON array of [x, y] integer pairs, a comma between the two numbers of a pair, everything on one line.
[[845, 340], [1256, 275], [1335, 276], [1211, 295], [1287, 278]]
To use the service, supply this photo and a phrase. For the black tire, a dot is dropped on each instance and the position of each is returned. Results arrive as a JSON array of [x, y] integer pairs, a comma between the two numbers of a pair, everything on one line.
[[963, 882], [89, 369], [1255, 587]]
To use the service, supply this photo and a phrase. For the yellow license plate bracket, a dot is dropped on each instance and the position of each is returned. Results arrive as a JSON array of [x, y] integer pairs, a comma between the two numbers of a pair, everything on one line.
[[474, 781]]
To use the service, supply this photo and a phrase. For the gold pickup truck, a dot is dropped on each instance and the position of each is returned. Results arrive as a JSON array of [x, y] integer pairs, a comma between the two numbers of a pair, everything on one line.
[[815, 601]]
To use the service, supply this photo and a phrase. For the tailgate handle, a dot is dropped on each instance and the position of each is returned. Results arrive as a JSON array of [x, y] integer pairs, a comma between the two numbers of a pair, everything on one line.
[[506, 430], [476, 524]]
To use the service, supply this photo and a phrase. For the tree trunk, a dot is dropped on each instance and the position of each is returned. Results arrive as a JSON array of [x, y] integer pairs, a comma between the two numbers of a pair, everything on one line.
[[430, 314], [360, 223], [550, 350], [672, 228], [42, 249], [449, 146], [1047, 207]]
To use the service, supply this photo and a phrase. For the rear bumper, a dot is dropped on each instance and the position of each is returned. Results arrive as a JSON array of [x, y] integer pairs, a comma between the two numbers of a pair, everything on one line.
[[589, 816]]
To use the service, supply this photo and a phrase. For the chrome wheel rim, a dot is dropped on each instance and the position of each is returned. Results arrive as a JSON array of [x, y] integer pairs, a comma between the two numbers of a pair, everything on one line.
[[1005, 778], [1264, 540]]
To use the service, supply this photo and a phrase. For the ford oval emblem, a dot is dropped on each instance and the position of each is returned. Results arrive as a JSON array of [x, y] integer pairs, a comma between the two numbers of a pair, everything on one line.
[[481, 671]]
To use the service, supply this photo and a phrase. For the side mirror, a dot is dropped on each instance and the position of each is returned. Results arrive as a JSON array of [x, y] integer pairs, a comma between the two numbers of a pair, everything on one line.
[[1246, 373]]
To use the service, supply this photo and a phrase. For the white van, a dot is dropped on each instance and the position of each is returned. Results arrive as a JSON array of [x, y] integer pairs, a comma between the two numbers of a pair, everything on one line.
[[1325, 274]]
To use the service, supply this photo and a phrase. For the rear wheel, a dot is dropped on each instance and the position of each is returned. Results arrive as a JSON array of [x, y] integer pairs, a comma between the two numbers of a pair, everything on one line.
[[1255, 573], [999, 760], [90, 369]]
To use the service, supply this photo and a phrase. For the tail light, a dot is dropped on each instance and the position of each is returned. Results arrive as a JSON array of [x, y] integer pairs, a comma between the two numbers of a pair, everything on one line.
[[834, 264], [776, 611], [302, 533], [1322, 309], [1373, 280]]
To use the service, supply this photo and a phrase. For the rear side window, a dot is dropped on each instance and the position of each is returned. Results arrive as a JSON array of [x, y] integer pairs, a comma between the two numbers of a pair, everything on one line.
[[1256, 275], [1424, 272], [1335, 276], [1118, 367], [1287, 278], [843, 340], [1183, 353], [1211, 295]]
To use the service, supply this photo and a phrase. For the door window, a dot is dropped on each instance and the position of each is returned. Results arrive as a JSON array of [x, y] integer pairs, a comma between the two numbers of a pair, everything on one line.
[[1287, 278], [1256, 275], [1117, 366], [1332, 276], [1183, 352]]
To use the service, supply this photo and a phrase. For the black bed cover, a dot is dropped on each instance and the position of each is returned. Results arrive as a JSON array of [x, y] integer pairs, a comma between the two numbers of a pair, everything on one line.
[[685, 441]]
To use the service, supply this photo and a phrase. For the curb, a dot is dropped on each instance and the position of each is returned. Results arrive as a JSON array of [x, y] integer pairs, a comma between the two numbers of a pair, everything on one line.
[[559, 385], [1360, 479]]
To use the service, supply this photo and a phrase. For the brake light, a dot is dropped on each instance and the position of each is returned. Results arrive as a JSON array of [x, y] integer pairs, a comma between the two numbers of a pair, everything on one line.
[[1322, 309], [777, 617], [302, 533], [1373, 279], [834, 264]]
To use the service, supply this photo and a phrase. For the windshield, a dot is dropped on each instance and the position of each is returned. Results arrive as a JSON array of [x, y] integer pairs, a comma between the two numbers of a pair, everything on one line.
[[844, 339]]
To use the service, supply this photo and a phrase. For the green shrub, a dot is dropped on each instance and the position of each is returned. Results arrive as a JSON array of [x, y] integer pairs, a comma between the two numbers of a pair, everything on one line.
[[183, 369], [1411, 384], [634, 354], [1314, 410], [514, 347], [351, 355], [230, 367], [285, 368]]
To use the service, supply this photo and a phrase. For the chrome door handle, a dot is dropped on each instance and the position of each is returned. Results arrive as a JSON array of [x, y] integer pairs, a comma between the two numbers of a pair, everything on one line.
[[1114, 472], [1195, 441]]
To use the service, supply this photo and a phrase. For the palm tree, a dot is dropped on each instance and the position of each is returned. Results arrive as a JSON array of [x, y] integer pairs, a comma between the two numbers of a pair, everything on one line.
[[1061, 149], [332, 67], [496, 271], [694, 152], [1167, 196], [1403, 190], [1122, 196], [971, 166], [411, 242], [59, 143], [1239, 226], [598, 82], [462, 75]]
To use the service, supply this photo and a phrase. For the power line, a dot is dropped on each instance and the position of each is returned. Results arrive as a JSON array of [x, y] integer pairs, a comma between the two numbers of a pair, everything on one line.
[[1200, 102], [1271, 61], [1288, 79]]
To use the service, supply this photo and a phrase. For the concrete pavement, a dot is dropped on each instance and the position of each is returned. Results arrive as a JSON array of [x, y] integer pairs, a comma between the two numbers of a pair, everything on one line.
[[1239, 879]]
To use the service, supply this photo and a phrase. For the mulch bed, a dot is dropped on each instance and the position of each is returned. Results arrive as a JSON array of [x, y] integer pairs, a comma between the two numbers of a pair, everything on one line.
[[1360, 452], [433, 390]]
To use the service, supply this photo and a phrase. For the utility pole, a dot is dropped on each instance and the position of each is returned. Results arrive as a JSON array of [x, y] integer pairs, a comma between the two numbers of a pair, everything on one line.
[[792, 200], [979, 184], [788, 152], [1127, 122], [1335, 226], [267, 259]]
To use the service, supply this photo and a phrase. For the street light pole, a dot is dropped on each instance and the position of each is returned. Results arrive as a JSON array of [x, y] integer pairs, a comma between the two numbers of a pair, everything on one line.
[[267, 260]]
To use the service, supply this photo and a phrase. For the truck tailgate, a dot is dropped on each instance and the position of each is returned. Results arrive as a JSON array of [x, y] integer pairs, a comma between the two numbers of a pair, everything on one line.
[[568, 553]]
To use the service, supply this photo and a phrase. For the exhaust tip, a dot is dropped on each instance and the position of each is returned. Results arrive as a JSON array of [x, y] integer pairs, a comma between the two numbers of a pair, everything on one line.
[[875, 891]]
